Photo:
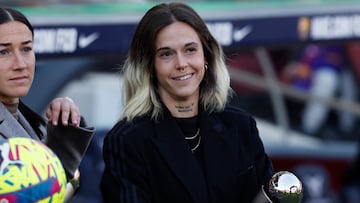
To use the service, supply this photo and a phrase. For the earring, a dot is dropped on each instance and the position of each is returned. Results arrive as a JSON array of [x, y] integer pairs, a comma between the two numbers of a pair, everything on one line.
[[206, 66]]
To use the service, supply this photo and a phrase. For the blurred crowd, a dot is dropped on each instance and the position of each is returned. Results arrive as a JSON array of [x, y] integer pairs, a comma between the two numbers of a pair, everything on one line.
[[58, 2]]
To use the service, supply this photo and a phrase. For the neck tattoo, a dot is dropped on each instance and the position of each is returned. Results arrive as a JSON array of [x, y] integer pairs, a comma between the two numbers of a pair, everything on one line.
[[187, 108]]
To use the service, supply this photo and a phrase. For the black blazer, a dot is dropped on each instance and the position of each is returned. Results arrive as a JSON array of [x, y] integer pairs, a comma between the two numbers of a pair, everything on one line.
[[150, 161]]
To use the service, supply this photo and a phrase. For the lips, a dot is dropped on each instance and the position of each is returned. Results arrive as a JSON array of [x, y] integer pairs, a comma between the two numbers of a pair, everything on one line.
[[19, 79], [184, 77]]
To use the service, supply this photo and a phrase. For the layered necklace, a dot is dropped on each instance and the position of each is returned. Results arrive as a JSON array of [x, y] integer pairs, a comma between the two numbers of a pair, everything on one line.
[[192, 135], [194, 141]]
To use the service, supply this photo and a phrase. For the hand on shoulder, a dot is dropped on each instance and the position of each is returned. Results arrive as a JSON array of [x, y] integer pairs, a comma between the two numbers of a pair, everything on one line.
[[62, 109]]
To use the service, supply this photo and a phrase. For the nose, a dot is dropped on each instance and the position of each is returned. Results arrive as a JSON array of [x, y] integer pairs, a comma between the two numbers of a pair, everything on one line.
[[181, 63], [19, 61]]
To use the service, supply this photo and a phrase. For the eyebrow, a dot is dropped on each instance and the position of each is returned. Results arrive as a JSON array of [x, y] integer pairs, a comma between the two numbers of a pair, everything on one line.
[[186, 45], [22, 43]]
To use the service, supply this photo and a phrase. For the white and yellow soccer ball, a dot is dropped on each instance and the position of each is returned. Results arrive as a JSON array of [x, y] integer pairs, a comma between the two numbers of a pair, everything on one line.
[[30, 172]]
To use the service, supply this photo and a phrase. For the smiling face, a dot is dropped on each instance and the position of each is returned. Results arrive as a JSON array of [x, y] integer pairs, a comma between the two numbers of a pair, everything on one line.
[[17, 61], [179, 63]]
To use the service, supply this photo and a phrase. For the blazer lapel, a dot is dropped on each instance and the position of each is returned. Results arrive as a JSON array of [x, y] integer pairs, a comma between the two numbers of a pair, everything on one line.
[[179, 157], [218, 149], [9, 126]]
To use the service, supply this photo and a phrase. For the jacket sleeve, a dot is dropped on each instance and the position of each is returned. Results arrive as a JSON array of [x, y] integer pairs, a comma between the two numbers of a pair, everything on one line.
[[264, 167], [124, 176], [69, 144]]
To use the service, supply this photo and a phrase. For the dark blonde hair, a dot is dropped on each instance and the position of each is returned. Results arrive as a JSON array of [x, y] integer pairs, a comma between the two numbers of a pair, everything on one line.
[[141, 96]]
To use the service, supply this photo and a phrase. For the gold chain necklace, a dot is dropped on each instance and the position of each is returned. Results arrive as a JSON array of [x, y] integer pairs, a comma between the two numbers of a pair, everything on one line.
[[194, 137], [197, 145]]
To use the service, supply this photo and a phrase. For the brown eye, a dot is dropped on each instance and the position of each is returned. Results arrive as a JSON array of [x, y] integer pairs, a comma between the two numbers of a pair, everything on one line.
[[191, 50], [4, 52], [27, 49], [166, 54]]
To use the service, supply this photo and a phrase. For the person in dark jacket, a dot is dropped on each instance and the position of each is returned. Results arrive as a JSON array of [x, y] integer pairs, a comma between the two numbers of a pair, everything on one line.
[[64, 131], [178, 139]]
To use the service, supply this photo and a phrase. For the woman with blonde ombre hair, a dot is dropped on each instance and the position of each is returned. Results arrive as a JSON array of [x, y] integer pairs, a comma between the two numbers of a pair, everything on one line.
[[178, 139]]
